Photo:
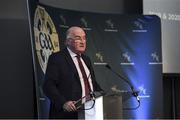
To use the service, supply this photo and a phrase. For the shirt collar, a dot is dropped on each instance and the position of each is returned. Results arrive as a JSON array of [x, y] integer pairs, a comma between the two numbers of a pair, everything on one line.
[[72, 54]]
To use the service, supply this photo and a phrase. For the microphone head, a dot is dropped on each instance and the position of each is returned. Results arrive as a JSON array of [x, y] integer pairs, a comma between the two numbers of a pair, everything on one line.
[[107, 65], [135, 93]]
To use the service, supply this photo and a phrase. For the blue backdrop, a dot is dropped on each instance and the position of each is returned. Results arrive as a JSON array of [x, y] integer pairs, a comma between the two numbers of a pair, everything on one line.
[[131, 44]]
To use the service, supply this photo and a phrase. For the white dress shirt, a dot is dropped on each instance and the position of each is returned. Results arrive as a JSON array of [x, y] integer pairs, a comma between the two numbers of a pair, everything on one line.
[[74, 58]]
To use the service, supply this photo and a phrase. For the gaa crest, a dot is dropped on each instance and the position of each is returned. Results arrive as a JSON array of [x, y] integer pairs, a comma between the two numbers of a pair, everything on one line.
[[46, 37]]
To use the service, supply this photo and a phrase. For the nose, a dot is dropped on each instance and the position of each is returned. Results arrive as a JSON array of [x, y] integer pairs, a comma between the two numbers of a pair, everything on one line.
[[83, 40]]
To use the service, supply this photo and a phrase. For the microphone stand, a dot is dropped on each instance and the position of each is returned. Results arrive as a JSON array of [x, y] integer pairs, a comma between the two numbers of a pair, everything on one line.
[[134, 93]]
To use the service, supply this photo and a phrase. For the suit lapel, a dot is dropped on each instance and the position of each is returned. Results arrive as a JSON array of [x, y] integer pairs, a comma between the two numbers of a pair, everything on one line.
[[71, 63]]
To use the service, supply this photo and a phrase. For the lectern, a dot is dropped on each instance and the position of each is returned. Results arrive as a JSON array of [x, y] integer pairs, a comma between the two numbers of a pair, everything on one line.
[[112, 107], [105, 107]]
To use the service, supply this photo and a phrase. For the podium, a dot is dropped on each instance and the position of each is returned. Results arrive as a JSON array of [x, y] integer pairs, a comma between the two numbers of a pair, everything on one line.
[[112, 107], [105, 107]]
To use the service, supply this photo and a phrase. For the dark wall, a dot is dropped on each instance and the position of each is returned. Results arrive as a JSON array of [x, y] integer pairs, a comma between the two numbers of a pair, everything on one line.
[[17, 94], [167, 90], [16, 80], [100, 6], [177, 96], [133, 8], [171, 83]]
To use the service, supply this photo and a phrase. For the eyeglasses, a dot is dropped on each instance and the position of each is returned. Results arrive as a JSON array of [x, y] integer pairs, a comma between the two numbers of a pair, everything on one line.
[[79, 38]]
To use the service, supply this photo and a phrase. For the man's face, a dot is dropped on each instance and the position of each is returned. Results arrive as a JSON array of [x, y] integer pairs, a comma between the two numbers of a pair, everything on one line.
[[77, 41]]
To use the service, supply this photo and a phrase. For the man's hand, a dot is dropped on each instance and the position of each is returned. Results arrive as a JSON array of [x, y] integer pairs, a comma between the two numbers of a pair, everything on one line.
[[69, 106]]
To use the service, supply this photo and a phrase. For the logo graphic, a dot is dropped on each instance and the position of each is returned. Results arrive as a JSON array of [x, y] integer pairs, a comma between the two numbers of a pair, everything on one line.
[[63, 22], [155, 57], [126, 59], [63, 19], [110, 24], [115, 89], [139, 25], [46, 37], [99, 57], [84, 22], [142, 90]]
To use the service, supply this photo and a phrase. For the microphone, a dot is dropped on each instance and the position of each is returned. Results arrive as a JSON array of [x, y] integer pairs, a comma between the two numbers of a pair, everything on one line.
[[134, 93]]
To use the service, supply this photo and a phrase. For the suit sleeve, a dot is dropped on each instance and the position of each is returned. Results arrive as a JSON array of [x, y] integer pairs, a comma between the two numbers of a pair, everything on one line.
[[50, 83]]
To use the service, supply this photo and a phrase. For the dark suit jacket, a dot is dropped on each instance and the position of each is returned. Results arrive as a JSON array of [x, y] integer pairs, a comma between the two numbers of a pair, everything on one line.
[[62, 83]]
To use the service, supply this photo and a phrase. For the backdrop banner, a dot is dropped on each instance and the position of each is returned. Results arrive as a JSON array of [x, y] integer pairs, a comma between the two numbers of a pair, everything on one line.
[[130, 44]]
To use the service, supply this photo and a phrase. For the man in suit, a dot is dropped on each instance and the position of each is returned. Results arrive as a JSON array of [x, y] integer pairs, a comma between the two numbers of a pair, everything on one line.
[[69, 76]]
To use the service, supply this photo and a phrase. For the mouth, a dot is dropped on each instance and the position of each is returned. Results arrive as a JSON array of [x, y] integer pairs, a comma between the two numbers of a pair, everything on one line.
[[81, 46]]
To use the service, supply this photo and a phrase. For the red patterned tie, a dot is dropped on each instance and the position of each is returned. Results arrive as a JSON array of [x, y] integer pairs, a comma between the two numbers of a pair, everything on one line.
[[86, 83]]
